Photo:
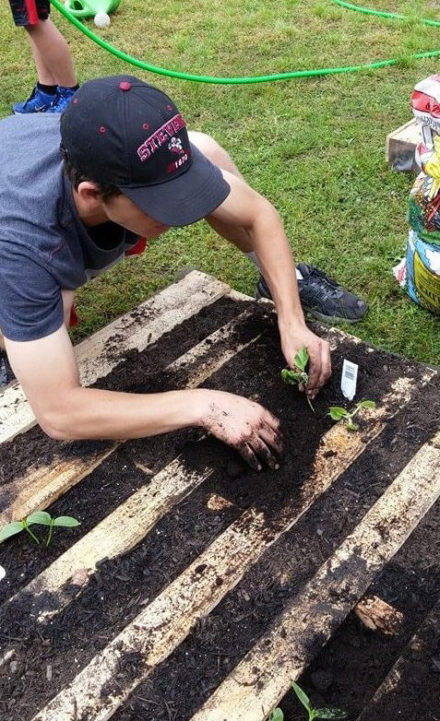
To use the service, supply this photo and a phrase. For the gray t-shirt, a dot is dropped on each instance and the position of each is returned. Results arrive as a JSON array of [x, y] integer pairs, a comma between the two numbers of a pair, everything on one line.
[[44, 246]]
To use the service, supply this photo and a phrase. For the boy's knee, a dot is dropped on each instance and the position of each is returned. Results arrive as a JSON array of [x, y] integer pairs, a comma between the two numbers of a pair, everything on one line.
[[214, 152], [209, 147]]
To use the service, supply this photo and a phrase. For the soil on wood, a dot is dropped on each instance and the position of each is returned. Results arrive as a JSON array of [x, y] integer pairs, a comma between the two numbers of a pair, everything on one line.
[[120, 588], [117, 477], [353, 665], [34, 449], [220, 641]]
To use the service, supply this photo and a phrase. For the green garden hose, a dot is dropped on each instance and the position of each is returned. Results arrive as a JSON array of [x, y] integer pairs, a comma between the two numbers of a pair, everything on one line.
[[257, 78], [382, 13]]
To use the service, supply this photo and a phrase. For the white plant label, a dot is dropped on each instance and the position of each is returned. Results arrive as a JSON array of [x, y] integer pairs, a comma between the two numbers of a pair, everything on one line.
[[349, 379], [2, 573]]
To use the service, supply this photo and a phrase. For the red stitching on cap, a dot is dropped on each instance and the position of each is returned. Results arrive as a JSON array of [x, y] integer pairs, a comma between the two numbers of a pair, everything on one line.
[[102, 129]]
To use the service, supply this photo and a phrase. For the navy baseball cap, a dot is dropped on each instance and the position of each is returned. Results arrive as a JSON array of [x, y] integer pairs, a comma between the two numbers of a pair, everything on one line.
[[122, 131]]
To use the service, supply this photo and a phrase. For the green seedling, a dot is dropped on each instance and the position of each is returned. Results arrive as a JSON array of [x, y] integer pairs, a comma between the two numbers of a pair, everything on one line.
[[298, 376], [42, 518], [314, 713], [337, 412], [276, 715], [318, 713]]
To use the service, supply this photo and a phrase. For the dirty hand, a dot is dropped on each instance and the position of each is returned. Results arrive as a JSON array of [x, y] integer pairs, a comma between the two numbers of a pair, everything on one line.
[[319, 369], [246, 426]]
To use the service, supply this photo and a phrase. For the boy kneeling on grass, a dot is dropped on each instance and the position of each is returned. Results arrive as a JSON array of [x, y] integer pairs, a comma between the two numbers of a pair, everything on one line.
[[128, 169]]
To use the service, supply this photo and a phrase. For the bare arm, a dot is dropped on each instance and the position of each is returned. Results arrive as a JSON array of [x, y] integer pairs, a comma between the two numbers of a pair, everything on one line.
[[250, 222], [47, 371]]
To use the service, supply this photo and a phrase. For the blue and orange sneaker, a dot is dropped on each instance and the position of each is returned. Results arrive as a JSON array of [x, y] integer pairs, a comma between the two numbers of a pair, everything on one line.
[[37, 102], [62, 100]]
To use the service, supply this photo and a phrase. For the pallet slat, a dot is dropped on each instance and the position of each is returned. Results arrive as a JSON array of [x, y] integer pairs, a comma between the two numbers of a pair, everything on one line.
[[378, 615], [166, 622], [114, 536], [257, 684], [39, 488], [401, 146], [338, 445], [136, 330], [400, 675]]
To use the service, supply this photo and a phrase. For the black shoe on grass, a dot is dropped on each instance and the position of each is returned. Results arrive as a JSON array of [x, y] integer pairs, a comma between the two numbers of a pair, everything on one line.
[[6, 374], [322, 297]]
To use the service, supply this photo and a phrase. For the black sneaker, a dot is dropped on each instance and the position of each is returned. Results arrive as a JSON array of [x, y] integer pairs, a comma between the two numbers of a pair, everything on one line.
[[322, 297], [6, 374]]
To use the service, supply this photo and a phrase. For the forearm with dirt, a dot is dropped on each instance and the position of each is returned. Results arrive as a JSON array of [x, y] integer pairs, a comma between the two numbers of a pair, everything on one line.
[[250, 222], [47, 370]]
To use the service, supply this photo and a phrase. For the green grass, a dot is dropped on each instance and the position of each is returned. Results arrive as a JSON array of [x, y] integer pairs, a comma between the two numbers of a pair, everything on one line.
[[314, 147]]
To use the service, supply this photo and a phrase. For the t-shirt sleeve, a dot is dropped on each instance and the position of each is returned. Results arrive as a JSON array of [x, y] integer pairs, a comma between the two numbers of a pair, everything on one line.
[[31, 305]]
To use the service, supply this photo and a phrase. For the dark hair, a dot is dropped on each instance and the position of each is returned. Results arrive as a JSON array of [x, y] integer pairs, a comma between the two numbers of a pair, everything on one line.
[[106, 190]]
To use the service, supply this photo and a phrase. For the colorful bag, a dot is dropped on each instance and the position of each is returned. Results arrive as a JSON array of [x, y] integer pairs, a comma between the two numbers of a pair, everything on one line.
[[423, 246], [423, 272]]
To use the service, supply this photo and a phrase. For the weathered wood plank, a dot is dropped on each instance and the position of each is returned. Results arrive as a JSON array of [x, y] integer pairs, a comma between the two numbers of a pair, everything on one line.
[[115, 535], [401, 681], [401, 146], [41, 487], [261, 679], [336, 447], [378, 615], [137, 329], [164, 624]]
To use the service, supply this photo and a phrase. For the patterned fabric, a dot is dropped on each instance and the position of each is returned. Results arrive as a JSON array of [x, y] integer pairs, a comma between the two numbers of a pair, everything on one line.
[[28, 12]]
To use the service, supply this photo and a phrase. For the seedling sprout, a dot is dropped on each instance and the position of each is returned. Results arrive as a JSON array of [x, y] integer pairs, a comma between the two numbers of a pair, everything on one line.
[[298, 375], [337, 412], [314, 713], [319, 713], [276, 715], [42, 518]]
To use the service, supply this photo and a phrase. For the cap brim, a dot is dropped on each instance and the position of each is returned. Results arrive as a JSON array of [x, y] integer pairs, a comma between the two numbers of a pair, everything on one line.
[[185, 199]]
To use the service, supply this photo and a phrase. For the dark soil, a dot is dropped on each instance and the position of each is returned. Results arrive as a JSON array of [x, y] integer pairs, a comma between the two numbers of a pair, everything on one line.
[[34, 449], [120, 588], [418, 683], [215, 647], [117, 477], [357, 659]]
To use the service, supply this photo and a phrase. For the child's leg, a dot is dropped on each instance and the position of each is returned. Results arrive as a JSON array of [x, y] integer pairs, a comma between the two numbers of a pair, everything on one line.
[[52, 55]]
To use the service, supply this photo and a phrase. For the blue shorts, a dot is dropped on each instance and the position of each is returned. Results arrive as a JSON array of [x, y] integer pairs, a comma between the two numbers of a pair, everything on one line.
[[28, 12]]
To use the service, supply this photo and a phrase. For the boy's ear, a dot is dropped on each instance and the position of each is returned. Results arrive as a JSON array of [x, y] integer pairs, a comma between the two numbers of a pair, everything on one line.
[[88, 191]]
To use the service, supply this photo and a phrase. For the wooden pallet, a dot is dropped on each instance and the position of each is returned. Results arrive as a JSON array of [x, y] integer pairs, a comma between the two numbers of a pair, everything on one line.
[[264, 674], [401, 146]]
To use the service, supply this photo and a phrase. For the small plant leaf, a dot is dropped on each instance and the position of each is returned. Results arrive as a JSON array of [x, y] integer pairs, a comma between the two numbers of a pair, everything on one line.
[[336, 413], [66, 521], [301, 359], [352, 426], [329, 713], [276, 715], [10, 530], [41, 517], [290, 377], [367, 404], [302, 696]]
